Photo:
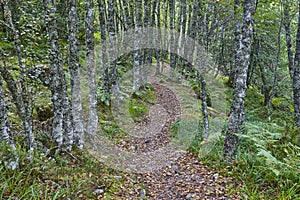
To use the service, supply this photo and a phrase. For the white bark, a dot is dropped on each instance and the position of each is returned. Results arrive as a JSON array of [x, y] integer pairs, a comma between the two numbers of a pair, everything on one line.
[[11, 162], [90, 56], [242, 61], [22, 99], [62, 130], [75, 75]]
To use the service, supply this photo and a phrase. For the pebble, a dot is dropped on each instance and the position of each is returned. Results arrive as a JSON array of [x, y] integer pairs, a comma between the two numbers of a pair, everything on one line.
[[143, 193], [98, 191]]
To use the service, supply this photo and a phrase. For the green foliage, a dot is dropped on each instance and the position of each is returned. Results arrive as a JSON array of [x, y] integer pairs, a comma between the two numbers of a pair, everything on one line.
[[139, 104], [148, 94], [267, 163], [103, 97], [174, 129], [111, 130], [7, 154], [279, 156], [137, 110], [253, 98], [66, 175]]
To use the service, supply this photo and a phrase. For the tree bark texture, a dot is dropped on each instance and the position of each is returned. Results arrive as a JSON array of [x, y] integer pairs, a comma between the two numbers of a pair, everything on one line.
[[136, 61], [62, 130], [23, 98], [90, 56], [172, 39], [75, 74], [10, 161], [294, 65], [242, 60]]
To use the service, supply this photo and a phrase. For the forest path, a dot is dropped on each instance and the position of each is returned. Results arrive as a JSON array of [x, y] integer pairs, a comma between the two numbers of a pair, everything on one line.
[[166, 171], [184, 177]]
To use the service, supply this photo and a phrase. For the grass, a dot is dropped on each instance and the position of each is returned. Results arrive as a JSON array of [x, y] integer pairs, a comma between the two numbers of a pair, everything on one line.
[[267, 166], [255, 179], [74, 175]]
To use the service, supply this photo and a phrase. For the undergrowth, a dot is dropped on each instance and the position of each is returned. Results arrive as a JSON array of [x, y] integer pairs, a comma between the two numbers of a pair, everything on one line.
[[268, 161], [68, 175], [140, 102]]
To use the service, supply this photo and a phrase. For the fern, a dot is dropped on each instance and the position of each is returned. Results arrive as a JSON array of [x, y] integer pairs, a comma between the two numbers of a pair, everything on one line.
[[279, 157]]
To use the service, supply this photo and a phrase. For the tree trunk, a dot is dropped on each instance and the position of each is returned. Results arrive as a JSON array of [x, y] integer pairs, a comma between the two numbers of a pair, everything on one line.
[[172, 40], [183, 25], [296, 77], [137, 74], [193, 32], [242, 59], [204, 108], [131, 8], [158, 41], [126, 13], [288, 39], [112, 68], [90, 56], [177, 40], [21, 99], [103, 31], [294, 67], [147, 52], [75, 75], [10, 161], [191, 29], [204, 98], [237, 39], [62, 131], [165, 43]]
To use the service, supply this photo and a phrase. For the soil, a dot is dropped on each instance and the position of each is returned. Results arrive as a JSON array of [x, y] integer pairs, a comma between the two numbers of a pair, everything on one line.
[[178, 175]]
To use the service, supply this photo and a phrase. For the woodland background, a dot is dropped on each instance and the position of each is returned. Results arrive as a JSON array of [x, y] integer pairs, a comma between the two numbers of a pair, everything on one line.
[[44, 126]]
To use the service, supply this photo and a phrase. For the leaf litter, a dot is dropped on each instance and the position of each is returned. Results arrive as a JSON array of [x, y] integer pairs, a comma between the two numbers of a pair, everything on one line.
[[183, 177]]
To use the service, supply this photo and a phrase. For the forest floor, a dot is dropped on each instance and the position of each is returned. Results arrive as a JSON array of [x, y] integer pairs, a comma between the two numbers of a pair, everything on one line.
[[152, 158], [162, 169], [149, 161]]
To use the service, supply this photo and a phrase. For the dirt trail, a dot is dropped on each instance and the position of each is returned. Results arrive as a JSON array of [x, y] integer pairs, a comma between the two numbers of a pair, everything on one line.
[[149, 148], [165, 171], [184, 177]]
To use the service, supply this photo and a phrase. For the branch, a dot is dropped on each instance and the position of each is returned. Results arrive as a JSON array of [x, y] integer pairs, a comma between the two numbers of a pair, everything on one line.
[[7, 25]]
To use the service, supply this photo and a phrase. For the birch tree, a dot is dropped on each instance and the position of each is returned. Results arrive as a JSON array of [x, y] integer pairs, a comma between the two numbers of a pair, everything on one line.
[[126, 13], [111, 33], [103, 32], [237, 35], [195, 32], [74, 73], [10, 162], [183, 21], [159, 33], [172, 39], [294, 64], [296, 77], [21, 99], [137, 82], [62, 131], [90, 56], [242, 60], [147, 52]]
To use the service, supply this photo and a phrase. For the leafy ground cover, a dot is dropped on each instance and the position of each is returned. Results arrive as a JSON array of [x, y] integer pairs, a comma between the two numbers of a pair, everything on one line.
[[267, 166]]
